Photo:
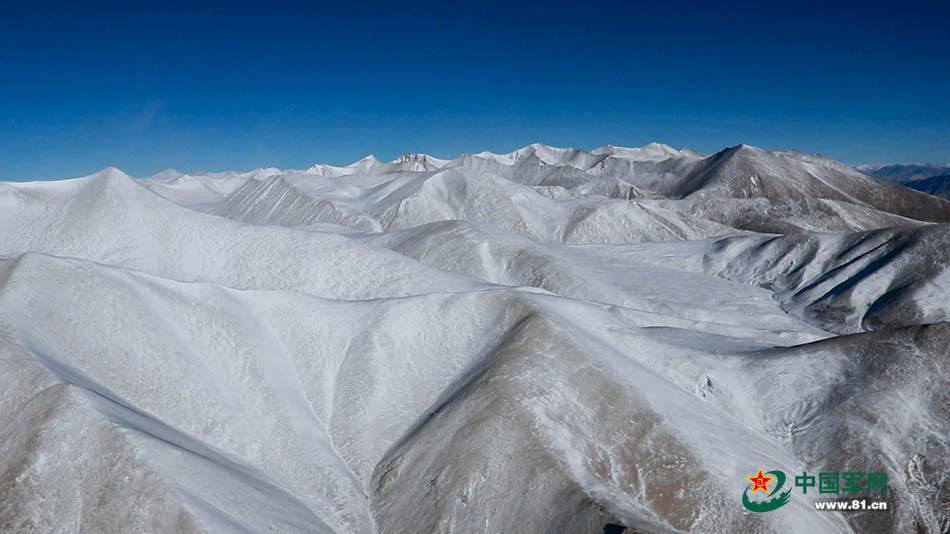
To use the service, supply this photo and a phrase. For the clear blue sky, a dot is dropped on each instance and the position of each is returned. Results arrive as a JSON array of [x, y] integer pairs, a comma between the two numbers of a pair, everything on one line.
[[233, 86]]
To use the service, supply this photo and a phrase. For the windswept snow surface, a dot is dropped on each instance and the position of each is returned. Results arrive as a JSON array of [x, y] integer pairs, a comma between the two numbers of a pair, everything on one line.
[[549, 340]]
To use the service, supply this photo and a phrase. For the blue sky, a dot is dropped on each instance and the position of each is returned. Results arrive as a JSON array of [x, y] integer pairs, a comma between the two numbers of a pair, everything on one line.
[[234, 86]]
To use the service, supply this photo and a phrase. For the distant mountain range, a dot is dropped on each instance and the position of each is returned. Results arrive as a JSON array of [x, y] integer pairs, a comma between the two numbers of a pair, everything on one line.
[[930, 178], [938, 186], [905, 173]]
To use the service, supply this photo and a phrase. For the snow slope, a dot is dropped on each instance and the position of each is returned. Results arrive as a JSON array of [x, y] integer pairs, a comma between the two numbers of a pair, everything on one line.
[[549, 340], [847, 282]]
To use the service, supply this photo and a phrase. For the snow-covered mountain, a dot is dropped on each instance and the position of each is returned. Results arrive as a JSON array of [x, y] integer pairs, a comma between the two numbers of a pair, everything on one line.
[[548, 340]]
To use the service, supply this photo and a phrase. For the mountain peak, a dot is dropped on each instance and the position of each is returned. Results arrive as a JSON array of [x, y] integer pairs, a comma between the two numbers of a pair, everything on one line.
[[650, 152], [109, 173], [746, 148], [365, 160], [112, 171]]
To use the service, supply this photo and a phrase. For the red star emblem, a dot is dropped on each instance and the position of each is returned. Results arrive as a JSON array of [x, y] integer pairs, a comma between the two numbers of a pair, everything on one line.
[[760, 481]]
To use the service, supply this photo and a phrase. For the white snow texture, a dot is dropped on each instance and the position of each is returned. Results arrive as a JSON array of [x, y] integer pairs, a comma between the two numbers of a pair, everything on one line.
[[546, 341]]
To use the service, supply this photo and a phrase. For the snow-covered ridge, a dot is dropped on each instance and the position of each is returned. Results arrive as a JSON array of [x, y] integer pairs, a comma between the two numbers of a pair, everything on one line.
[[742, 187], [847, 283], [420, 161]]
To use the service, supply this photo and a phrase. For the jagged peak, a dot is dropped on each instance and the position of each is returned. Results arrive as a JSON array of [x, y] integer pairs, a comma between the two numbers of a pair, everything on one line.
[[411, 157]]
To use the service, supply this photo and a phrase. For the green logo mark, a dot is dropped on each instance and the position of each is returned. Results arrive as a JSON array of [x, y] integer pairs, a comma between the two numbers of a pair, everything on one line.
[[760, 482]]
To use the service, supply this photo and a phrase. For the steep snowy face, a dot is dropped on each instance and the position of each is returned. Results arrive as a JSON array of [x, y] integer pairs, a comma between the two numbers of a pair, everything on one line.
[[847, 283], [275, 201], [744, 172], [201, 191], [548, 340]]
